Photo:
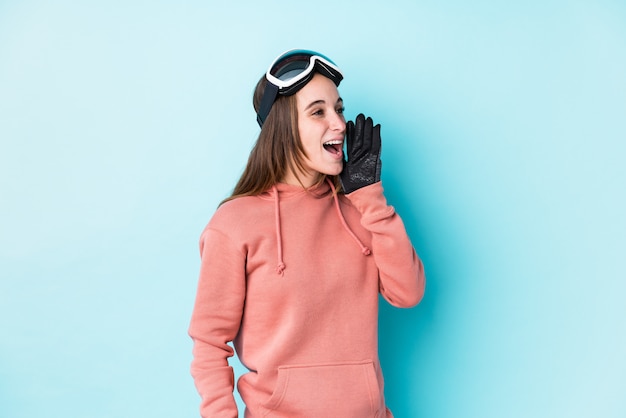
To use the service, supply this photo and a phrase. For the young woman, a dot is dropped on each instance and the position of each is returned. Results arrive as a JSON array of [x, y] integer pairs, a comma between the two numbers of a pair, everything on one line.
[[293, 262]]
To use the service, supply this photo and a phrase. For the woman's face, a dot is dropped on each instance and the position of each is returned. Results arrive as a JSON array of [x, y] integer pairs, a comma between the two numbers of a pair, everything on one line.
[[322, 128]]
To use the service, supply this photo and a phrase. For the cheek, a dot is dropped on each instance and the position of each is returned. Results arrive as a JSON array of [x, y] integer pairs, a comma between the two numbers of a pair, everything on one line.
[[310, 136], [309, 143]]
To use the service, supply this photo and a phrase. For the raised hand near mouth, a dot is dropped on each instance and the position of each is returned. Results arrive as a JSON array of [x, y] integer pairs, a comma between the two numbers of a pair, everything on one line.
[[363, 165]]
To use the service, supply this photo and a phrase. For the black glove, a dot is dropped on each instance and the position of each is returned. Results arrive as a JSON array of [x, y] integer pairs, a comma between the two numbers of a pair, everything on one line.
[[363, 148]]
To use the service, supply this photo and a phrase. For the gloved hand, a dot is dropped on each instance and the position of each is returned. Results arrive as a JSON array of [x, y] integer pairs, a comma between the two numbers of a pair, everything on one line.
[[363, 148]]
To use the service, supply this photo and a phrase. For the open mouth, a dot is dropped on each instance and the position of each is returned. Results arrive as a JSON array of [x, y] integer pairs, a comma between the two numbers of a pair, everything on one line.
[[334, 147]]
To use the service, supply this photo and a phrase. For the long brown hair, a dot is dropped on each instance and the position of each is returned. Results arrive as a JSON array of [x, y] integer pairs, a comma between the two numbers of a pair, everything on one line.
[[278, 149]]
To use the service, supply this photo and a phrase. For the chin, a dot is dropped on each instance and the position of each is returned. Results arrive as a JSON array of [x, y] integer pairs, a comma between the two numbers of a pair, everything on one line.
[[333, 172]]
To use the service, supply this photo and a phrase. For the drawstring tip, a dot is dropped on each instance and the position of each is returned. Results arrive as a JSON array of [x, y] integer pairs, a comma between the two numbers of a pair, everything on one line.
[[280, 268], [366, 251]]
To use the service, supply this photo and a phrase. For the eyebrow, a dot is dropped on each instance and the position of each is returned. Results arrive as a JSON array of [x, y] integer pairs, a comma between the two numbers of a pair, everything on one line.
[[316, 102]]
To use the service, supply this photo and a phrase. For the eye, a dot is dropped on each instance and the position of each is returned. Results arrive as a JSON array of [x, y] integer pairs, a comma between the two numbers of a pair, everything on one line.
[[341, 109], [318, 112]]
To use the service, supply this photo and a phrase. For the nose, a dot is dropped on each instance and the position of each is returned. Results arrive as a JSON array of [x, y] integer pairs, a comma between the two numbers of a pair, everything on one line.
[[337, 122]]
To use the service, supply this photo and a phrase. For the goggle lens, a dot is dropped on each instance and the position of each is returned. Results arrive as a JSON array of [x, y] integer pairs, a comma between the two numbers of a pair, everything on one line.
[[293, 63]]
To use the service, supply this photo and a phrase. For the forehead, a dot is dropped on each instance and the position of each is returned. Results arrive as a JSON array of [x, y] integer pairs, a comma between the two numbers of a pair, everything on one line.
[[319, 88]]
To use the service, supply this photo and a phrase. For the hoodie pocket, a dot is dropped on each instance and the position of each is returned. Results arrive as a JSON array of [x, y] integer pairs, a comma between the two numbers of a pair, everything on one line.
[[346, 390]]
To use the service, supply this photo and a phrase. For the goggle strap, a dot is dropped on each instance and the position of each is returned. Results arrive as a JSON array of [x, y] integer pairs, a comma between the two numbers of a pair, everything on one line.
[[269, 96]]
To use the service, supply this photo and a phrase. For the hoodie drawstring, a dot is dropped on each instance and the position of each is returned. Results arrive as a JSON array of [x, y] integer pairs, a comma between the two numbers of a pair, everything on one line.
[[364, 249], [280, 268]]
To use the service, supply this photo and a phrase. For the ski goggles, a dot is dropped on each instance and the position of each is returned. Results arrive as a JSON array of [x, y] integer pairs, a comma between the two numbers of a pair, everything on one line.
[[290, 72]]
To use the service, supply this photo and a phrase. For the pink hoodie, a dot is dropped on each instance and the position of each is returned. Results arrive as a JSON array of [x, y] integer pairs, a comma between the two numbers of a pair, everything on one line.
[[292, 277]]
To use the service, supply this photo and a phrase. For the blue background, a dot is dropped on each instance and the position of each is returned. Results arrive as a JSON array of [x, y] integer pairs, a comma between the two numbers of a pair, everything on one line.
[[124, 123]]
